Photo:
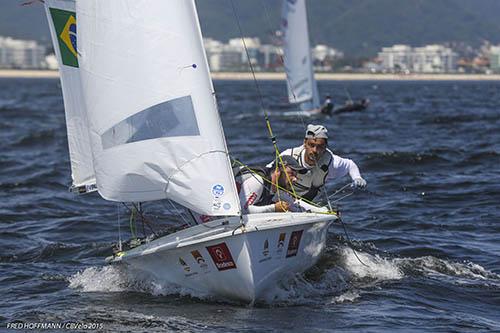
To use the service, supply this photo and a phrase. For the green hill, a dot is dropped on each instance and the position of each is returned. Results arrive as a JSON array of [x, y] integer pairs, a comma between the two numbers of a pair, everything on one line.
[[358, 27], [362, 27]]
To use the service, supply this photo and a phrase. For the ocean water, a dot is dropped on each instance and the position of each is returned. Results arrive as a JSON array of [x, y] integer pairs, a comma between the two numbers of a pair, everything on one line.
[[427, 229]]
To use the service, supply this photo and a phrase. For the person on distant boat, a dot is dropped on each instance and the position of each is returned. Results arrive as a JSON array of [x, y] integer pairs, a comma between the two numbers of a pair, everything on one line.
[[319, 163], [259, 194], [327, 106]]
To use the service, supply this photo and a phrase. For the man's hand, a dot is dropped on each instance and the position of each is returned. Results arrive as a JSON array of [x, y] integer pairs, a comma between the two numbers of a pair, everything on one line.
[[281, 207], [359, 183]]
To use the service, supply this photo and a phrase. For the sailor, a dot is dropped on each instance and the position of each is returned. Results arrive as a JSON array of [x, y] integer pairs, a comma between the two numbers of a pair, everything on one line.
[[259, 194], [327, 106], [319, 163]]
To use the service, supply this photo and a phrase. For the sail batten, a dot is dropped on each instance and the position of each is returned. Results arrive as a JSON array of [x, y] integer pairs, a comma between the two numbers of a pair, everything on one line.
[[302, 87], [155, 130]]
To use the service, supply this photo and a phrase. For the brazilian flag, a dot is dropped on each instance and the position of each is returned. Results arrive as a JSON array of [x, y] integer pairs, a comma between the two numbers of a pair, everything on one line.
[[65, 26]]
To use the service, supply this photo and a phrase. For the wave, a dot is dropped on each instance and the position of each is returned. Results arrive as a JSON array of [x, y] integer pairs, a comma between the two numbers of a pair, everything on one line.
[[121, 278], [35, 139], [395, 158], [339, 277], [482, 156], [104, 279], [462, 118], [432, 266], [34, 180], [47, 252]]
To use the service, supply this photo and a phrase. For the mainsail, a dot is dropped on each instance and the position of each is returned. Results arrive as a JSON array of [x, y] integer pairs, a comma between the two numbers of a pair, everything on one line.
[[154, 127], [302, 87], [61, 16]]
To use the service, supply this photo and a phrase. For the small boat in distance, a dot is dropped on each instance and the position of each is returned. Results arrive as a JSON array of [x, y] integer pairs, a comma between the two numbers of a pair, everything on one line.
[[351, 106], [298, 64]]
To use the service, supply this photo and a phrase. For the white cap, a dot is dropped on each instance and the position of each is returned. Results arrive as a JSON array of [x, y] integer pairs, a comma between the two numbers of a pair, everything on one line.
[[316, 132]]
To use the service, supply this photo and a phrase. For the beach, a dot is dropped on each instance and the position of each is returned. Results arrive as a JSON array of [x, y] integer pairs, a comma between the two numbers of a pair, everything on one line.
[[271, 76]]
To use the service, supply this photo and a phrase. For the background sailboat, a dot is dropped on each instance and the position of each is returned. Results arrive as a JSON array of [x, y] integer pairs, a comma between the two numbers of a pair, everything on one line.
[[302, 87]]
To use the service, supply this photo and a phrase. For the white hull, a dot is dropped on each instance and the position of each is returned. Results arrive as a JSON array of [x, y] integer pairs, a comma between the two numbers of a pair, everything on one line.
[[222, 260], [305, 113]]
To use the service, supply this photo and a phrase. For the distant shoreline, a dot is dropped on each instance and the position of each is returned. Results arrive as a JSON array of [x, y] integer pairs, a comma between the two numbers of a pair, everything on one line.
[[7, 73]]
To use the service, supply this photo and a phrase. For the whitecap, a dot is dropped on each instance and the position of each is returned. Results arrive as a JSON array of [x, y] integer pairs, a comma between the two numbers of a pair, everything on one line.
[[370, 266]]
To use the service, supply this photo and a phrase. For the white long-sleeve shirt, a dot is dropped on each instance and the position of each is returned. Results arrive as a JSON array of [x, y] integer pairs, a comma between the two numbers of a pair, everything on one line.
[[329, 166]]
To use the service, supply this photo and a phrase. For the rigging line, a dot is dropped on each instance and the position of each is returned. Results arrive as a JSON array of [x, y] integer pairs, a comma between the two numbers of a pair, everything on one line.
[[342, 198], [268, 122], [350, 242], [193, 218], [283, 169], [339, 190], [132, 223], [119, 229], [248, 57], [178, 212], [256, 83], [348, 94], [325, 192], [280, 49], [282, 58], [144, 220]]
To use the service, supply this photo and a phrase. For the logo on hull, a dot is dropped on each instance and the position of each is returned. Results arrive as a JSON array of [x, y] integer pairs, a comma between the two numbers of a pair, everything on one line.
[[186, 268], [265, 252], [221, 256], [281, 243], [294, 243], [199, 259]]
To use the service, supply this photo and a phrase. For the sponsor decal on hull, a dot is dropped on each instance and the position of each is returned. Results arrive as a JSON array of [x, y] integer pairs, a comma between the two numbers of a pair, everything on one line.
[[281, 243], [200, 260], [265, 252], [221, 256], [294, 243], [186, 268]]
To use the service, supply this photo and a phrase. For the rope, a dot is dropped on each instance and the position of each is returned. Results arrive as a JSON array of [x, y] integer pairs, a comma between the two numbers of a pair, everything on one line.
[[178, 212], [325, 193], [248, 57], [132, 224], [350, 243], [261, 99], [282, 59], [144, 220], [119, 229], [340, 190], [342, 198]]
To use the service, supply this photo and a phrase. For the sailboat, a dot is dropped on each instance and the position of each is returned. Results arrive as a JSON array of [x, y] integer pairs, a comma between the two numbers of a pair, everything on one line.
[[301, 85], [143, 126]]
